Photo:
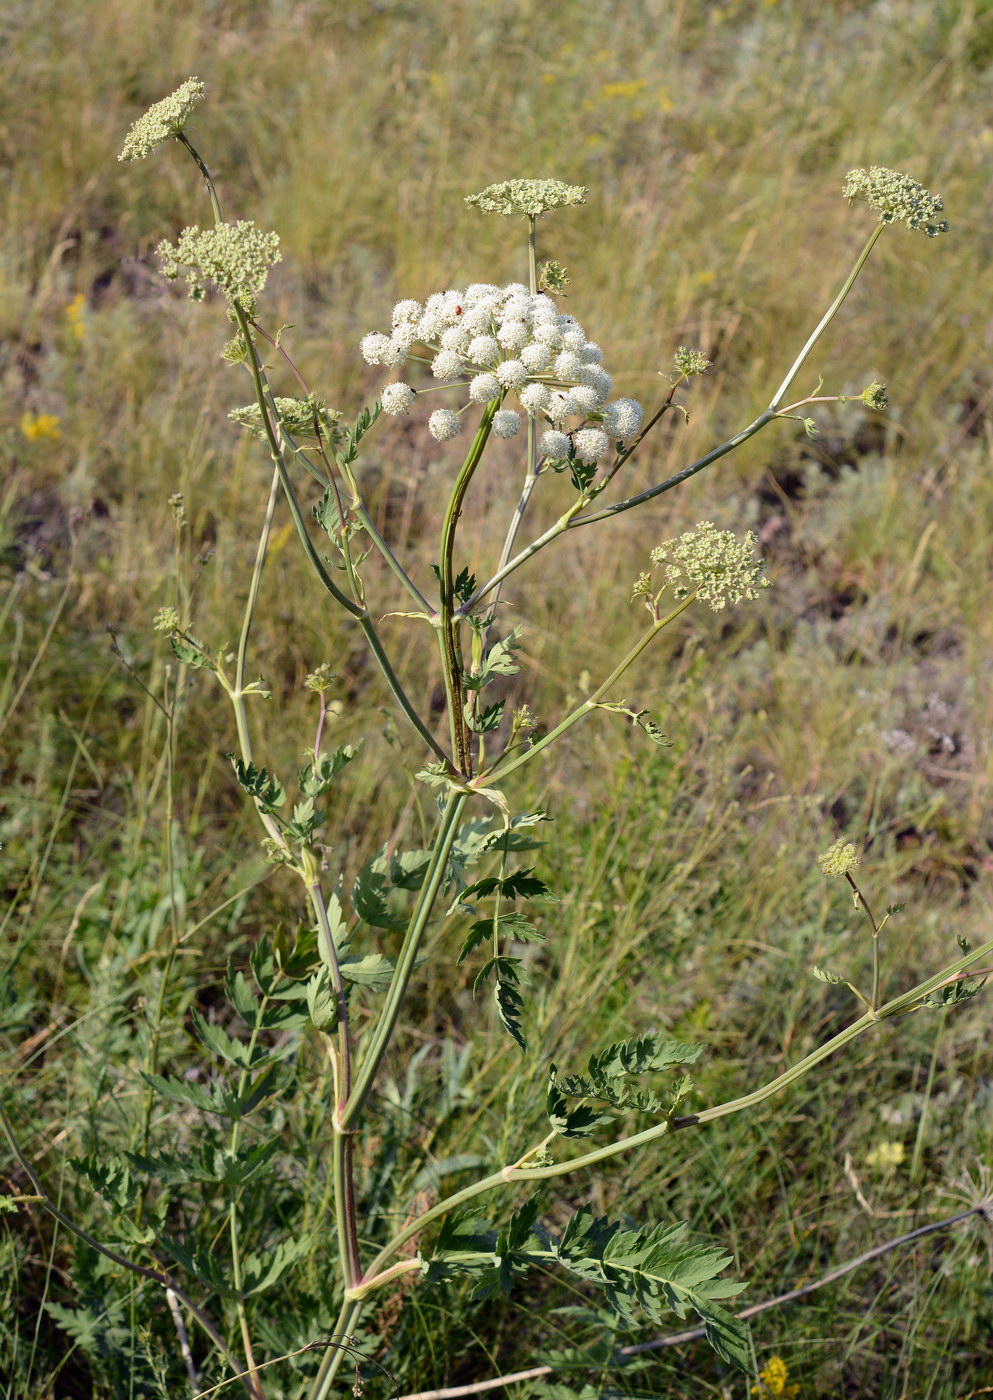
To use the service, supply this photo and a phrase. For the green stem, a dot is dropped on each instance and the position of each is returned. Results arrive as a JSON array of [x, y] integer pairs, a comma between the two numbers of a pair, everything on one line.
[[828, 316], [502, 771], [233, 1224], [355, 610], [451, 655], [208, 181], [348, 1319], [381, 1036], [532, 254], [705, 461], [908, 1001]]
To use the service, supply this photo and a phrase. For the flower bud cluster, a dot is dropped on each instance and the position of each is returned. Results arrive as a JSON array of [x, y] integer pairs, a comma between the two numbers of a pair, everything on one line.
[[295, 415], [839, 859], [493, 341], [897, 198], [234, 257], [714, 564], [167, 118]]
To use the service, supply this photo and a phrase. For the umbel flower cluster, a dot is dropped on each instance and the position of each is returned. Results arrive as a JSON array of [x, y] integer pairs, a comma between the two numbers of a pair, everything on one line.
[[234, 257], [491, 342], [714, 565], [166, 118], [897, 199]]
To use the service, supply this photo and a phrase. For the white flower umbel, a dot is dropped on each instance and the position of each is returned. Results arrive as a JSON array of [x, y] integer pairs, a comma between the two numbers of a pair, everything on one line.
[[167, 118], [493, 342], [714, 564]]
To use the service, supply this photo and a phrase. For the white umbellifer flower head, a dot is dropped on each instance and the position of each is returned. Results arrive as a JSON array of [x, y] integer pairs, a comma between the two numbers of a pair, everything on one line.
[[447, 364], [505, 341], [714, 564], [591, 444], [443, 424], [396, 399], [167, 118], [235, 257], [553, 445], [484, 387], [506, 423]]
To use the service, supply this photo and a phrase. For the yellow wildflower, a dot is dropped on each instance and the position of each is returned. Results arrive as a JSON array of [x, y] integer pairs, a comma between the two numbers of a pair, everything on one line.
[[41, 425], [773, 1380], [74, 315]]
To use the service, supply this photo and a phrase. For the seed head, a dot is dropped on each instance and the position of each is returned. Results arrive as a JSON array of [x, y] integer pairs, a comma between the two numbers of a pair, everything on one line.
[[897, 198], [167, 118]]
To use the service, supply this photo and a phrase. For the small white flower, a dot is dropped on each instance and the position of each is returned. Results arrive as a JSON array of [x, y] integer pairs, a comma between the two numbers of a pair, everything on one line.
[[443, 424], [454, 338], [568, 365], [548, 333], [477, 291], [591, 444], [396, 351], [535, 398], [535, 357], [590, 353], [478, 320], [446, 365], [586, 398], [574, 339], [542, 307], [396, 399], [622, 418], [429, 328], [374, 347], [560, 407], [553, 445], [483, 388], [516, 289], [511, 374], [513, 335], [597, 377], [506, 423], [483, 349], [406, 313]]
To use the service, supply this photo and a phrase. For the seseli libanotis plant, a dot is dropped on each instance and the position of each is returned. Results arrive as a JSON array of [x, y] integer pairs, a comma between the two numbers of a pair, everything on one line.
[[500, 362]]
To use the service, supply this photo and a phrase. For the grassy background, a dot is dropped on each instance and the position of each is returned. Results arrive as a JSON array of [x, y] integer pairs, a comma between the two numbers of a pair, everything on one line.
[[855, 700]]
